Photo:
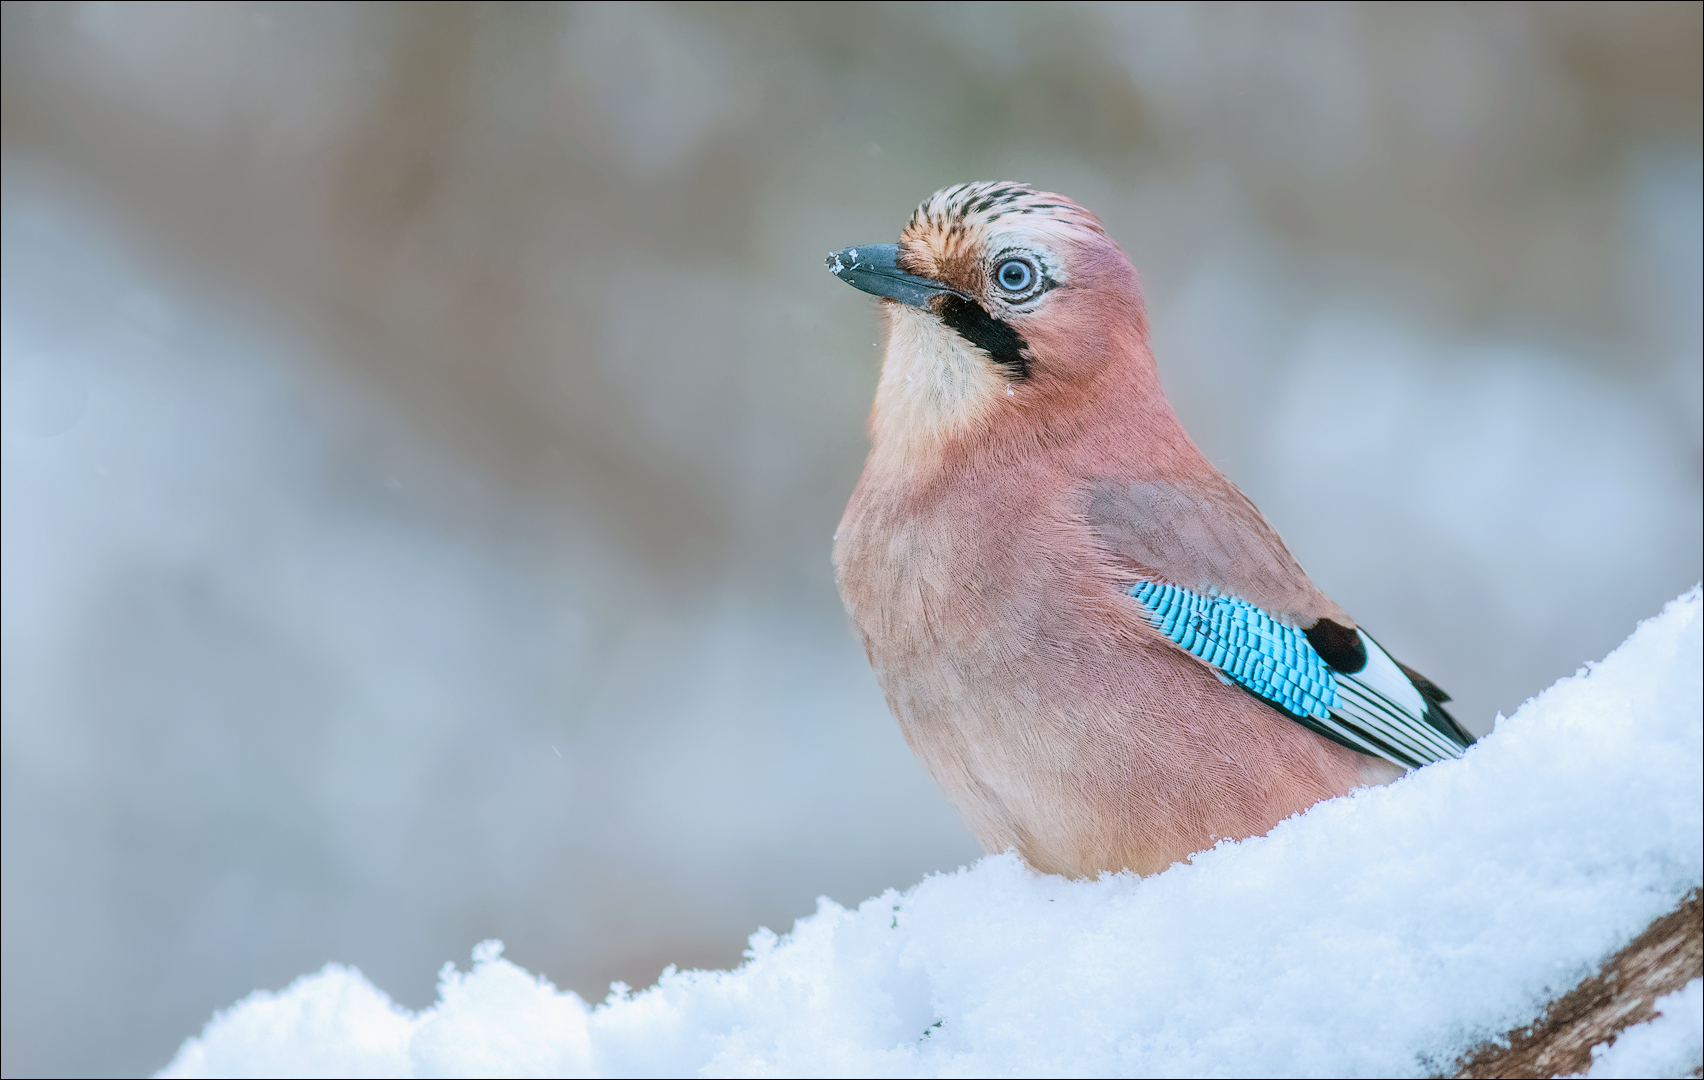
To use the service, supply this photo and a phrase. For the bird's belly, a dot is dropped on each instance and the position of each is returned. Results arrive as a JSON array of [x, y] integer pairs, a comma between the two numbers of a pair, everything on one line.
[[1115, 780], [1024, 773], [1055, 719]]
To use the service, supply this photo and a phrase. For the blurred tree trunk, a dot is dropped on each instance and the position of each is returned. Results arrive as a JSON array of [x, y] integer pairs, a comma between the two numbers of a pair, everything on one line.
[[1668, 955]]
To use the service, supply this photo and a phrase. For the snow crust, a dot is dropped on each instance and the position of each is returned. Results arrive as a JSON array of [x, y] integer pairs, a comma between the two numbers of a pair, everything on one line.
[[1380, 934]]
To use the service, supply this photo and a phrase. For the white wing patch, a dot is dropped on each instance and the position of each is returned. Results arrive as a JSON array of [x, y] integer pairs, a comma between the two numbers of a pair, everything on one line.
[[1382, 701]]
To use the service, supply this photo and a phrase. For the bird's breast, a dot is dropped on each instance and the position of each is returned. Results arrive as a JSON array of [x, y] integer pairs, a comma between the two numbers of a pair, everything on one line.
[[960, 597], [1023, 677], [927, 586]]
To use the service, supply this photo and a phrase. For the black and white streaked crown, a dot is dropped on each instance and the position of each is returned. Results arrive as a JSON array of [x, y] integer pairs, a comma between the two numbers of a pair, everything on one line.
[[993, 202]]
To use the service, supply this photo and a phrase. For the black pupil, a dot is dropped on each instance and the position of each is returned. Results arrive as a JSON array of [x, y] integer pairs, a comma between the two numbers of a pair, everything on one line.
[[1014, 275]]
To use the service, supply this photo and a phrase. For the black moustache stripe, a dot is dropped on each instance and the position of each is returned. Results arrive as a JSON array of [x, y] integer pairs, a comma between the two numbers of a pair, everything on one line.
[[1004, 344]]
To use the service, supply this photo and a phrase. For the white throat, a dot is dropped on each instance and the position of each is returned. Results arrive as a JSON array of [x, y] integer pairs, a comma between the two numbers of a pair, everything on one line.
[[934, 384]]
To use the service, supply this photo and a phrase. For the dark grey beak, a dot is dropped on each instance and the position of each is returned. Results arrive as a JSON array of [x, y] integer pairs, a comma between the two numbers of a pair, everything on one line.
[[874, 268]]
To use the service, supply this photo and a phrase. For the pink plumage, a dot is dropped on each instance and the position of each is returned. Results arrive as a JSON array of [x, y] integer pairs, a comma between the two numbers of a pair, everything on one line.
[[1026, 471]]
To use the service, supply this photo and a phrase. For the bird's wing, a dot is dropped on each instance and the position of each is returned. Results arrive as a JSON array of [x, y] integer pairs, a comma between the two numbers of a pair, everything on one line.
[[1212, 576], [1207, 537]]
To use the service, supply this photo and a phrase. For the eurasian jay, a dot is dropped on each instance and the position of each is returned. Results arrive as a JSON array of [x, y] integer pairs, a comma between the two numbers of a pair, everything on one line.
[[1093, 640]]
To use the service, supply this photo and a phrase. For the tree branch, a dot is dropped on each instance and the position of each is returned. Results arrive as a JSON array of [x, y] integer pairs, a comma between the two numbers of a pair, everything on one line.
[[1668, 955]]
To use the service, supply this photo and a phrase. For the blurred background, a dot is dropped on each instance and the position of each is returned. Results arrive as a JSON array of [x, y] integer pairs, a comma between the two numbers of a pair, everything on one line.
[[424, 425]]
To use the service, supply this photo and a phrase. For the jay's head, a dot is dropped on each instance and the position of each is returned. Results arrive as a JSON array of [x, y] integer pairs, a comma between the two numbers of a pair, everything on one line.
[[998, 298]]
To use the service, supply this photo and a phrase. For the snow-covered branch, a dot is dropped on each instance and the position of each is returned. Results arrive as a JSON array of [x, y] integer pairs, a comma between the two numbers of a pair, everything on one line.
[[1628, 993], [1388, 933]]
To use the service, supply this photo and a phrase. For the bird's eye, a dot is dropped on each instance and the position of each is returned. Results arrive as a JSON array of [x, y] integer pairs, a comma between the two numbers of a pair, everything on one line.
[[1015, 275]]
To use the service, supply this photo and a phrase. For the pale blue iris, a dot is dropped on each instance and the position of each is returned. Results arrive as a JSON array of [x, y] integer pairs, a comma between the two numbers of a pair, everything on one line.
[[1015, 275]]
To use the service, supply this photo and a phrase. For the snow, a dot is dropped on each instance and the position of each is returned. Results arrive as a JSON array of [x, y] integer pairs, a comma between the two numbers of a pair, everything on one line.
[[1671, 1044], [1380, 934]]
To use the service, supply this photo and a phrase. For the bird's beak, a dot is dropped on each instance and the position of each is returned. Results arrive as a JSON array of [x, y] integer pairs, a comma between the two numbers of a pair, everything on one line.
[[874, 268]]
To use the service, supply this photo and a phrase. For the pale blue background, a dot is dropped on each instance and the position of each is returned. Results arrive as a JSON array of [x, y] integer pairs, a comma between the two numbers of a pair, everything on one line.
[[425, 424]]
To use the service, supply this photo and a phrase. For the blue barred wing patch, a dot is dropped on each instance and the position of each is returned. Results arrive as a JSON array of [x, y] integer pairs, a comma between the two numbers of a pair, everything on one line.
[[1259, 653], [1376, 710]]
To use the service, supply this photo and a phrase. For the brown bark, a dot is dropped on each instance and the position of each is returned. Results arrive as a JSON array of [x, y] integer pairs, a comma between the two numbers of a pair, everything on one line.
[[1664, 958]]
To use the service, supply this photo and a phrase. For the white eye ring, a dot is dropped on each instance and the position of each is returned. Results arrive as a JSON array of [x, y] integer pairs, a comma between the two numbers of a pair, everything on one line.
[[1015, 275]]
